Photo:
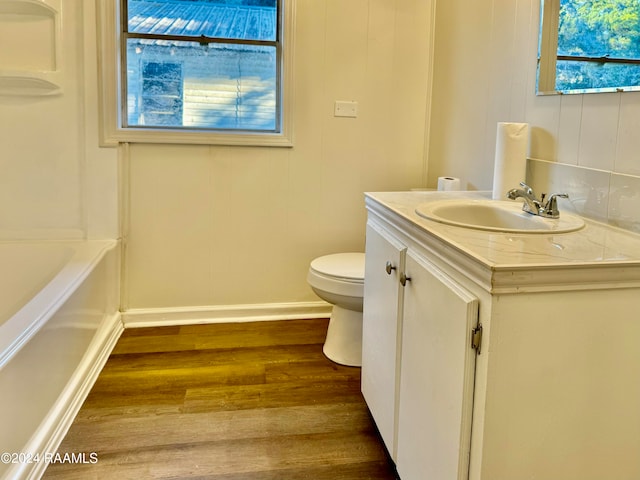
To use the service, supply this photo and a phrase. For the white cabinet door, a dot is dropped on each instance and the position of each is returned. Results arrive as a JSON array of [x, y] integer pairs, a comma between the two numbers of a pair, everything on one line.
[[380, 330], [436, 375]]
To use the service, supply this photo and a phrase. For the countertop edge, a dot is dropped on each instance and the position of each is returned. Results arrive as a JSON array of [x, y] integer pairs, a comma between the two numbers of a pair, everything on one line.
[[506, 278]]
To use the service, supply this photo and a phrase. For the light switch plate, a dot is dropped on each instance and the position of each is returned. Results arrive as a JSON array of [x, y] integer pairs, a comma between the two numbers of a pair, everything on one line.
[[344, 108]]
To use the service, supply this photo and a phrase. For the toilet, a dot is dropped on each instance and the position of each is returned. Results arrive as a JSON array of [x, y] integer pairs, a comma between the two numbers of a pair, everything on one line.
[[339, 279]]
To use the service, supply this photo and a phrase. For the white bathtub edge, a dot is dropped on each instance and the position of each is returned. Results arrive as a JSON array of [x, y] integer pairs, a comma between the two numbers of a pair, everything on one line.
[[157, 317], [55, 426], [7, 352]]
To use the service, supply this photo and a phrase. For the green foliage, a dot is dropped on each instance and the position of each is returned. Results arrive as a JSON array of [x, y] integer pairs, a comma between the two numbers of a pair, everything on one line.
[[598, 28]]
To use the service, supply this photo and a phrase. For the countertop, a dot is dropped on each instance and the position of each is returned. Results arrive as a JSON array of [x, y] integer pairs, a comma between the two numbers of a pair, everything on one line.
[[596, 254]]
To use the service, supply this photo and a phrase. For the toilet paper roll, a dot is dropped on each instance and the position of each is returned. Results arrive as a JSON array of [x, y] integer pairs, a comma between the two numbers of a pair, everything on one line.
[[448, 184], [511, 157]]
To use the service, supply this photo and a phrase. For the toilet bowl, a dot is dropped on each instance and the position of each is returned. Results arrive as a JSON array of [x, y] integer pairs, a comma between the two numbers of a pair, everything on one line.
[[339, 279]]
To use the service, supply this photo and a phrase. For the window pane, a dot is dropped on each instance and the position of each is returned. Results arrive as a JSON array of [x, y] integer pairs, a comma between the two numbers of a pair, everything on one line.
[[599, 28], [582, 75], [185, 84], [233, 19]]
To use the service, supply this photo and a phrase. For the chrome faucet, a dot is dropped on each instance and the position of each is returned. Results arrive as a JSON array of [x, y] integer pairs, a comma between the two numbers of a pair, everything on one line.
[[532, 205]]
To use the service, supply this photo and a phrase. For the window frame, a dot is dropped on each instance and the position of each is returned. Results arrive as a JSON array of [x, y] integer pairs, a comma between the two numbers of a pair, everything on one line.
[[112, 99]]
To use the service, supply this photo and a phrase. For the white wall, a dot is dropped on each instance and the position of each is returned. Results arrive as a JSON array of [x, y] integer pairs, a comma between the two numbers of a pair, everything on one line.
[[236, 226], [484, 73], [54, 181]]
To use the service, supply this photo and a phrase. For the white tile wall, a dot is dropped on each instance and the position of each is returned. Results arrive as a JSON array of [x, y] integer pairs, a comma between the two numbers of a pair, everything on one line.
[[598, 130], [605, 196], [627, 158], [624, 202], [588, 189], [570, 124]]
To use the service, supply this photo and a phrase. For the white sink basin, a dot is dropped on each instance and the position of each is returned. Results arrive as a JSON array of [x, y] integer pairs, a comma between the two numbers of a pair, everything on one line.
[[495, 215]]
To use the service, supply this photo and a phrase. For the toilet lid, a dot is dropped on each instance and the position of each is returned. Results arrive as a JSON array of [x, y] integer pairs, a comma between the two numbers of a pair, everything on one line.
[[342, 265]]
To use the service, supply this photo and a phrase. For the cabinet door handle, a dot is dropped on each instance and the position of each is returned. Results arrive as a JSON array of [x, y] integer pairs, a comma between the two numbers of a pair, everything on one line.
[[389, 268], [404, 279]]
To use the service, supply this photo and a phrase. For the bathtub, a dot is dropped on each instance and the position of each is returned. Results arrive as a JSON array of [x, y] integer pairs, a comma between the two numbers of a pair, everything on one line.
[[59, 321]]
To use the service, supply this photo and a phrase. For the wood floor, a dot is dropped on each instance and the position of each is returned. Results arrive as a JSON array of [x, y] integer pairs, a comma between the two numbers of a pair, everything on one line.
[[249, 401]]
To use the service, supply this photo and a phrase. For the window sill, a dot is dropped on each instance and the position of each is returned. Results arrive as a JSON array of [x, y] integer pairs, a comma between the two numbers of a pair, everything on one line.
[[247, 139]]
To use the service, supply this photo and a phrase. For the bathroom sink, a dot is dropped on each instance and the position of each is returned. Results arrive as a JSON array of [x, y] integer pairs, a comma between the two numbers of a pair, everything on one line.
[[495, 215]]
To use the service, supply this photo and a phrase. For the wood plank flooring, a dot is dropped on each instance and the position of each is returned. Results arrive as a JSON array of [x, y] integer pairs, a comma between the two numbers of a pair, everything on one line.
[[248, 401]]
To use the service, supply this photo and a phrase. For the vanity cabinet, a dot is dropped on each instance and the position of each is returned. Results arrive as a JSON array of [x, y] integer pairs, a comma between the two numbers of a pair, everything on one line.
[[502, 356], [417, 320]]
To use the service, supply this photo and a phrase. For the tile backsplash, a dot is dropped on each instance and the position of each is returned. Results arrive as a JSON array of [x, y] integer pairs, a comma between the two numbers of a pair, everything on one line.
[[602, 195]]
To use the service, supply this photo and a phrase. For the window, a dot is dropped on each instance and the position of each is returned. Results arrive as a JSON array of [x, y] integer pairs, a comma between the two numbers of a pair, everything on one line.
[[198, 71]]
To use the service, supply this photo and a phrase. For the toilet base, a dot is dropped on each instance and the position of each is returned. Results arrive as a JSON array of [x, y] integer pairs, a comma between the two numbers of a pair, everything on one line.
[[344, 337]]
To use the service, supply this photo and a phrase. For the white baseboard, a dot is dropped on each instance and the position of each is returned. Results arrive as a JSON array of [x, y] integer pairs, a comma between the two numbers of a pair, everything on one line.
[[54, 427], [155, 317]]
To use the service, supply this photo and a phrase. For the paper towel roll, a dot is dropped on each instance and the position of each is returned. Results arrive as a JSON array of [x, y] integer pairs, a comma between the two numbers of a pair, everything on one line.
[[448, 184], [511, 157]]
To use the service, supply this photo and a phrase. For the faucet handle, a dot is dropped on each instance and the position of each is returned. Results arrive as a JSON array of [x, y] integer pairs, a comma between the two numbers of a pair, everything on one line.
[[527, 188], [551, 206]]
